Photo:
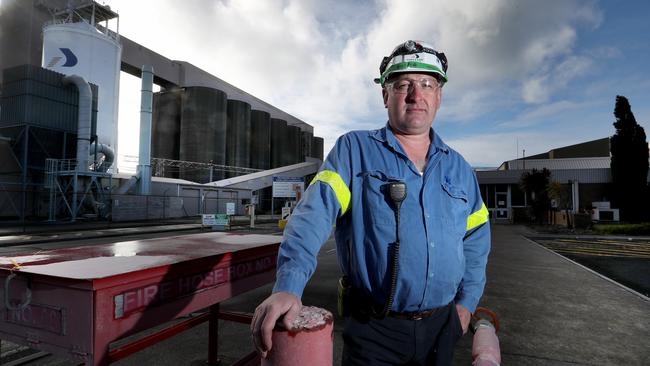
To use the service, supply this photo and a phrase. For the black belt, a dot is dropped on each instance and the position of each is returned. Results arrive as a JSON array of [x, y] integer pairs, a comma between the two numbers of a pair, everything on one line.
[[362, 307], [416, 315]]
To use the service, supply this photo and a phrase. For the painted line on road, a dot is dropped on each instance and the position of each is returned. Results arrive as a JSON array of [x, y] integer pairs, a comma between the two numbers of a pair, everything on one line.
[[623, 253], [603, 243]]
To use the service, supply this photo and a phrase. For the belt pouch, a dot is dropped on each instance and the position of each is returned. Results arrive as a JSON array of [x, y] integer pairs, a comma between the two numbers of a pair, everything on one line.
[[344, 292]]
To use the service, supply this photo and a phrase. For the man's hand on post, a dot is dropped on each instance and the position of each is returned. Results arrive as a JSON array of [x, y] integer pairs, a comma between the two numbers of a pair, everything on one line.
[[465, 316], [267, 314]]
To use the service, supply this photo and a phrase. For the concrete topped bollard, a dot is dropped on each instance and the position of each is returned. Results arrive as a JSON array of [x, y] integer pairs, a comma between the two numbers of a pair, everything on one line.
[[485, 344], [309, 342]]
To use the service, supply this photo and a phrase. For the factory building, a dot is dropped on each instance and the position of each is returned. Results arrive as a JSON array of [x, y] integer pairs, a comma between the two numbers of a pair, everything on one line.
[[204, 143], [582, 170]]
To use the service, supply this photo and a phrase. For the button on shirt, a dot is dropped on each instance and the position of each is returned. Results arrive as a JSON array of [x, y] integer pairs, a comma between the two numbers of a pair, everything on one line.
[[444, 229]]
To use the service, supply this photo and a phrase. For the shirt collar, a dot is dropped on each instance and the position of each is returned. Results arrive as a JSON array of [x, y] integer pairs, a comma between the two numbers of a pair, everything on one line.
[[385, 134]]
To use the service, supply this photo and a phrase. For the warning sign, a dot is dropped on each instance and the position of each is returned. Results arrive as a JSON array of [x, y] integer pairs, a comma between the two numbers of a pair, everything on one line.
[[287, 186]]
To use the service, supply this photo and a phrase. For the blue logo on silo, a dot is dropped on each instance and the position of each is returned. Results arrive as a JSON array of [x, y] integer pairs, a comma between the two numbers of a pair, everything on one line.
[[70, 58]]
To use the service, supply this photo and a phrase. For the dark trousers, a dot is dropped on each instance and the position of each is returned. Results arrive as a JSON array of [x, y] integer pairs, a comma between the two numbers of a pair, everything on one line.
[[393, 341]]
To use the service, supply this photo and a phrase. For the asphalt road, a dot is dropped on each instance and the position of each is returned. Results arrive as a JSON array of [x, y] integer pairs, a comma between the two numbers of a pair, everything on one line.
[[626, 261], [553, 312]]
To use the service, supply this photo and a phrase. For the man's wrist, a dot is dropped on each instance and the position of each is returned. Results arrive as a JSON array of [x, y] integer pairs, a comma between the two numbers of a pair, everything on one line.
[[290, 282]]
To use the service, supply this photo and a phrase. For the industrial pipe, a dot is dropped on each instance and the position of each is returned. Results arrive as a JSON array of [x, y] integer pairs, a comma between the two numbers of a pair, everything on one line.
[[109, 156], [310, 341], [144, 160], [85, 120]]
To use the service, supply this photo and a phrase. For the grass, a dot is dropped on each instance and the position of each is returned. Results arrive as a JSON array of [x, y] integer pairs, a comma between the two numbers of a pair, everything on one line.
[[623, 229]]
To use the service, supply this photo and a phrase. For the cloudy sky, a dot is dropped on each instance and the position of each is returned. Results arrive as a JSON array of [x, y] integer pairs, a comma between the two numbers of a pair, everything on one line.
[[523, 74]]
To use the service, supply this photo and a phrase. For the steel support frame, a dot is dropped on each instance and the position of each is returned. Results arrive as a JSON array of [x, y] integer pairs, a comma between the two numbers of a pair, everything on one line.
[[62, 181], [212, 316]]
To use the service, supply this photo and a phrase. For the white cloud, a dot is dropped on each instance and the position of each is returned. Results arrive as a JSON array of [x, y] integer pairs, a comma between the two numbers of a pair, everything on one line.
[[316, 59], [490, 150], [542, 114], [536, 90]]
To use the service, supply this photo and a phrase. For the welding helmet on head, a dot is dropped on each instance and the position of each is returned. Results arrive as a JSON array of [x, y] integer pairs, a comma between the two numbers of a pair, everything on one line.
[[413, 56]]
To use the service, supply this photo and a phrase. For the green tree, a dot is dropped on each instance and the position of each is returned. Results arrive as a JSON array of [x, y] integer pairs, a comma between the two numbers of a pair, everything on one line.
[[536, 183], [629, 164], [562, 198]]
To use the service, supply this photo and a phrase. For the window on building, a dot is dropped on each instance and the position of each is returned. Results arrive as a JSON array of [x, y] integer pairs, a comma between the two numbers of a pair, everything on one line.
[[517, 196]]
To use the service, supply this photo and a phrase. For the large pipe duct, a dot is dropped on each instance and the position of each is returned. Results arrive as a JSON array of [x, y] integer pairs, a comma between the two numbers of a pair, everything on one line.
[[146, 101], [109, 156], [85, 120]]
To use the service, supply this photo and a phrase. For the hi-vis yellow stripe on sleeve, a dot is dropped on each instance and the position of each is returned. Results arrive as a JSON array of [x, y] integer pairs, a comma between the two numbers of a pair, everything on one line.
[[479, 217], [341, 191]]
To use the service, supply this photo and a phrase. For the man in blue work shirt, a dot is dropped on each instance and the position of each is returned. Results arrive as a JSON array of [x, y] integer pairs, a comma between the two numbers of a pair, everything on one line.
[[412, 231]]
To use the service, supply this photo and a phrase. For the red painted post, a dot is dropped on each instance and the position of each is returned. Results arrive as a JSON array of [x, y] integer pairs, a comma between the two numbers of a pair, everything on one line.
[[309, 342], [213, 335]]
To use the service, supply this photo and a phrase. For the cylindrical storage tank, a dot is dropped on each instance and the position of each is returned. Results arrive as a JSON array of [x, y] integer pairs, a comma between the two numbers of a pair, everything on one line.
[[279, 146], [203, 131], [166, 125], [260, 140], [261, 152], [238, 143], [317, 148], [295, 146], [305, 139], [81, 49]]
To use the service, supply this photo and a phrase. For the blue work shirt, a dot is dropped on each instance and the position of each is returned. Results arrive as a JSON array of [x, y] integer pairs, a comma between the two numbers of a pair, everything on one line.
[[444, 229]]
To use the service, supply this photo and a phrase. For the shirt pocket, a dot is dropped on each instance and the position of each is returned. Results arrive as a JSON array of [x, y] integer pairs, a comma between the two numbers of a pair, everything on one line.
[[376, 198], [454, 206]]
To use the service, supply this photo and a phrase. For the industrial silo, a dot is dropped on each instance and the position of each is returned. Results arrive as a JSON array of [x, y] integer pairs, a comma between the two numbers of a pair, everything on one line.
[[166, 128], [306, 138], [295, 146], [203, 131], [260, 140], [81, 49], [279, 146], [238, 143], [317, 147], [261, 153]]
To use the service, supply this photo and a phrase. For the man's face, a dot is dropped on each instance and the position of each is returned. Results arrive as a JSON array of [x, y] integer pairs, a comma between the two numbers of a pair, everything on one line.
[[413, 111]]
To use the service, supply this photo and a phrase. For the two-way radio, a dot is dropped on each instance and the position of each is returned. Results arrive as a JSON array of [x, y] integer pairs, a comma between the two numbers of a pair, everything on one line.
[[397, 193]]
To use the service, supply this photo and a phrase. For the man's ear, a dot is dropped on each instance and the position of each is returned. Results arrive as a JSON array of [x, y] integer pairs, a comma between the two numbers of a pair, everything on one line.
[[384, 95]]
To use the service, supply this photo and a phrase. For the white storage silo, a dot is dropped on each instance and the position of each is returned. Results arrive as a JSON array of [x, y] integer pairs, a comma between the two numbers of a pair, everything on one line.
[[81, 49]]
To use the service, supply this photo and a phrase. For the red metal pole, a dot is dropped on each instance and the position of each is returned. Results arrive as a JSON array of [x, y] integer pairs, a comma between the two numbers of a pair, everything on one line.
[[213, 335], [161, 335]]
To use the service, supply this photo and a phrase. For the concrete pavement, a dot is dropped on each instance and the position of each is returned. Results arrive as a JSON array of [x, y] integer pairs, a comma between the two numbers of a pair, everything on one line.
[[556, 312], [553, 312], [16, 235]]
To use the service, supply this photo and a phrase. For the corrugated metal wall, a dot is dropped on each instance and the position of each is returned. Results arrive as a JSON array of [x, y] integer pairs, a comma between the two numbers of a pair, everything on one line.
[[37, 97]]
